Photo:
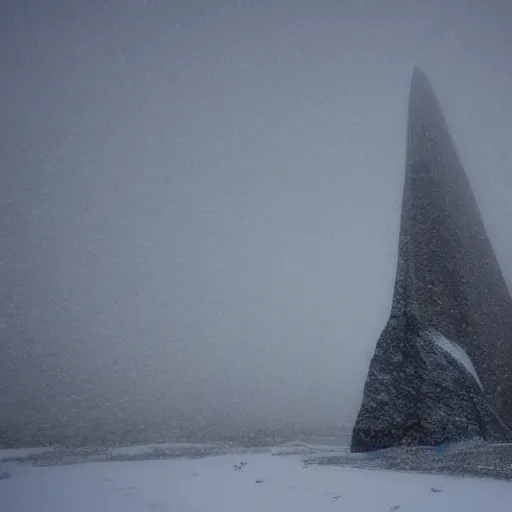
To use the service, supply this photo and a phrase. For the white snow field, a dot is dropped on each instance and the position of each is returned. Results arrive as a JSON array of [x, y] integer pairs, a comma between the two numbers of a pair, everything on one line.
[[262, 482]]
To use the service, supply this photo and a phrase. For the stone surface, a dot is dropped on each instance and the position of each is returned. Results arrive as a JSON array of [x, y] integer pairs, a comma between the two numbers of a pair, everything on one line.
[[449, 285]]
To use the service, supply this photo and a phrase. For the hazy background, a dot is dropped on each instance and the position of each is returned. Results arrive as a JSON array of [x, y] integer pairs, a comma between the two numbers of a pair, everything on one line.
[[200, 200]]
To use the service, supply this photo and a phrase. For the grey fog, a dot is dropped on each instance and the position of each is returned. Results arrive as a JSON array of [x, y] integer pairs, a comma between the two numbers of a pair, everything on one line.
[[200, 202]]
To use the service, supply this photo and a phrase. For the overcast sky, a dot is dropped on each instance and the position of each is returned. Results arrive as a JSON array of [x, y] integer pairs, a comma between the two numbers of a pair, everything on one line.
[[200, 200]]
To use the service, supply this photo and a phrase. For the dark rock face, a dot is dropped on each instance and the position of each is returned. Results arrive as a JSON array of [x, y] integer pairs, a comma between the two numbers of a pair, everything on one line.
[[448, 287]]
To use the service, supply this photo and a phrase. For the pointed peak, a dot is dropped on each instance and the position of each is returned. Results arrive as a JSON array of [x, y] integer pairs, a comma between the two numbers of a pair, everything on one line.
[[417, 71], [420, 80], [425, 109]]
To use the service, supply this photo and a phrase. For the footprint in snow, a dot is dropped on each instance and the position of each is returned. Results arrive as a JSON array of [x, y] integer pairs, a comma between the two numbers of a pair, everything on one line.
[[333, 496], [239, 467]]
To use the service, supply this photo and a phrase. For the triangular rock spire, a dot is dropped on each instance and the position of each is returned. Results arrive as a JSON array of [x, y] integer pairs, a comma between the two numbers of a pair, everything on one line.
[[442, 368]]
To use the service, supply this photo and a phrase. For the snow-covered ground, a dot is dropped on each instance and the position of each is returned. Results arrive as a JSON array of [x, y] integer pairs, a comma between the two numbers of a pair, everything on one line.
[[239, 482]]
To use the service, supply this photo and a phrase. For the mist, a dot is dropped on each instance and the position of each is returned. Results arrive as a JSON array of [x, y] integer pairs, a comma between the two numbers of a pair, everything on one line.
[[200, 201]]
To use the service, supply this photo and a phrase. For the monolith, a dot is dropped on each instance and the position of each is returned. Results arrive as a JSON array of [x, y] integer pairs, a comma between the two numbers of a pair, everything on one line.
[[442, 367]]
